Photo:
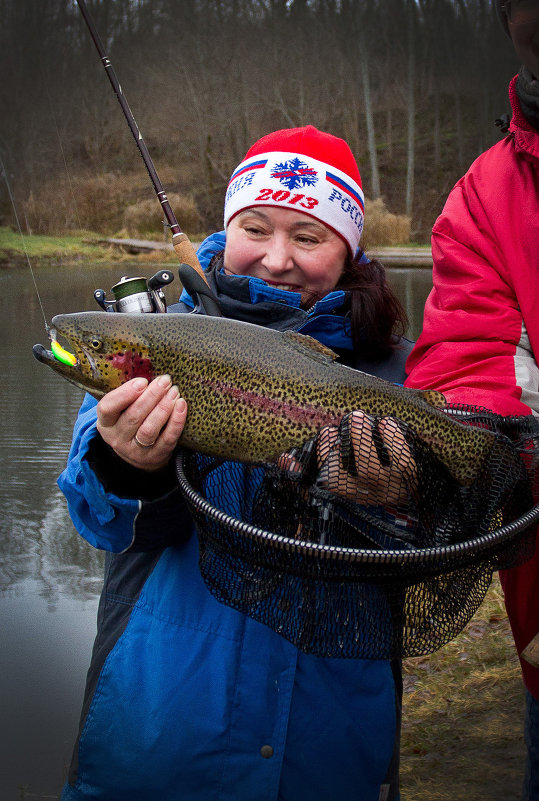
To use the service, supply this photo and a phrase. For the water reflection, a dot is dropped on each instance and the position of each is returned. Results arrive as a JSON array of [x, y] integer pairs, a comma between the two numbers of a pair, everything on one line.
[[412, 287], [37, 411], [49, 577]]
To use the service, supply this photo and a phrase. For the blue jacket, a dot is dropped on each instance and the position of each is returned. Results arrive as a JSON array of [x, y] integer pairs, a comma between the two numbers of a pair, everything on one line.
[[188, 699]]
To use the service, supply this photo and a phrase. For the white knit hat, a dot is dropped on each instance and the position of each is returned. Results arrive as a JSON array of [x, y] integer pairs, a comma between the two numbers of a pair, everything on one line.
[[305, 170]]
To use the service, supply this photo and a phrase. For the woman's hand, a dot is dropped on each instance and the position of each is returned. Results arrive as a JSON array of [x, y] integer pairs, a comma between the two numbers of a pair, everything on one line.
[[142, 421], [368, 462], [378, 467]]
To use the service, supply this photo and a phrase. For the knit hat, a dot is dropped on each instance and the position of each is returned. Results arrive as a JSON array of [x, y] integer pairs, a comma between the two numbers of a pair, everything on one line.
[[305, 170]]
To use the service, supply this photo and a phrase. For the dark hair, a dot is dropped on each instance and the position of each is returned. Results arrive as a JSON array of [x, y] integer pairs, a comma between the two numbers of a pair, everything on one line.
[[377, 316]]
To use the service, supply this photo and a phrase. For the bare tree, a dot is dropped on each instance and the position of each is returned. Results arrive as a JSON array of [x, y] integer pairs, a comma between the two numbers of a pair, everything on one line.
[[413, 85], [411, 72]]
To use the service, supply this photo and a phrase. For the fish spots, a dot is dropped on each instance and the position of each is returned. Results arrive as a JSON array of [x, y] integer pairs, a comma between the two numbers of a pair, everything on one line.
[[278, 407], [253, 392], [131, 364]]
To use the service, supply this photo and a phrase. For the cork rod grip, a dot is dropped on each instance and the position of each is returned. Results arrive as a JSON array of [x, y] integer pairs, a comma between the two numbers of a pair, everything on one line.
[[186, 254]]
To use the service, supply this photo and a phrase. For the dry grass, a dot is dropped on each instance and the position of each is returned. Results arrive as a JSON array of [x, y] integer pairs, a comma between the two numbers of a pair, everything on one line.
[[113, 204], [463, 715], [94, 203], [382, 227], [143, 219], [107, 203]]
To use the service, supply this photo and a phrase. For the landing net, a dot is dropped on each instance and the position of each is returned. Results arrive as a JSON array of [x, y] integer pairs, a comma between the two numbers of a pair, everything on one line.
[[382, 557]]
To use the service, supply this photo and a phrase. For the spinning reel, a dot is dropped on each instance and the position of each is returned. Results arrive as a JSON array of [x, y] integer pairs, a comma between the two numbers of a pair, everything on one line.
[[137, 295], [145, 295]]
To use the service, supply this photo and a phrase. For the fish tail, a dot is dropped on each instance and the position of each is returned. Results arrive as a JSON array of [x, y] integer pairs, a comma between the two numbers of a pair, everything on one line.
[[494, 455]]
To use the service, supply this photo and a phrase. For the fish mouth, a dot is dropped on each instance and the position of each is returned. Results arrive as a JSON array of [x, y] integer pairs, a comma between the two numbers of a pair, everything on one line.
[[68, 365], [43, 355], [56, 354]]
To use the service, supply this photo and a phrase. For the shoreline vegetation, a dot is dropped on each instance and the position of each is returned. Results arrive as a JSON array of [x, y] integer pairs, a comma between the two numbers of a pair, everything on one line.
[[79, 246], [88, 246], [414, 88]]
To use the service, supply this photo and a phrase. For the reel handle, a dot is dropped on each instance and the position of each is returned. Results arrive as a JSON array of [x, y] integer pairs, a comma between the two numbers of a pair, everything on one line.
[[106, 305], [160, 279]]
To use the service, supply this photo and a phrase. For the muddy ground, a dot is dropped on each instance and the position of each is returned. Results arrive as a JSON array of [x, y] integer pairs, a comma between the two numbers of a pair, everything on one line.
[[463, 715]]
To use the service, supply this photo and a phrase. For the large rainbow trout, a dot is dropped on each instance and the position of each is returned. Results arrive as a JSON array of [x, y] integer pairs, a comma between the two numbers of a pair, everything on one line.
[[252, 393]]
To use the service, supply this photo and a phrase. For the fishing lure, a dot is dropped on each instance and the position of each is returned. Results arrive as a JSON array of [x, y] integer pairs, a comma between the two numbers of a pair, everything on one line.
[[62, 354]]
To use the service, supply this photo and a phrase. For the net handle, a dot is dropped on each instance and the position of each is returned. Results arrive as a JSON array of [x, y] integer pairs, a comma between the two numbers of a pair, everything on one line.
[[366, 555]]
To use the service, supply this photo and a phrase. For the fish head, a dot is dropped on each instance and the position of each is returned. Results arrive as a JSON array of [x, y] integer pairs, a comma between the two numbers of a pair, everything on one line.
[[107, 350]]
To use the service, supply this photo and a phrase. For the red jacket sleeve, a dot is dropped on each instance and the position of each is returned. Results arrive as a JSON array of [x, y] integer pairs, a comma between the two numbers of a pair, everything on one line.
[[481, 321], [471, 345]]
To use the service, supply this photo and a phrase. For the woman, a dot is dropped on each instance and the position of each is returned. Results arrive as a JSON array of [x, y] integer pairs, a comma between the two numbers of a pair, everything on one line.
[[187, 698]]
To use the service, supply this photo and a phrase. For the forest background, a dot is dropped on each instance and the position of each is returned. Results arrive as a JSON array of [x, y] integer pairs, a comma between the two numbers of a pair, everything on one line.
[[414, 86]]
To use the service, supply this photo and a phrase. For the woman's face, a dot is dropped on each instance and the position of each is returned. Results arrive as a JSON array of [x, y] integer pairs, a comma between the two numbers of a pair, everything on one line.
[[286, 249]]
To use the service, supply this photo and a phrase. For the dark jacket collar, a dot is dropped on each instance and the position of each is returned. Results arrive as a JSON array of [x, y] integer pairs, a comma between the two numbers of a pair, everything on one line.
[[527, 89], [253, 301]]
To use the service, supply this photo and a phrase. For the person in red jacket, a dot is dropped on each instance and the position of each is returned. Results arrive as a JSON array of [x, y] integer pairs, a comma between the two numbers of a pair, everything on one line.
[[480, 338]]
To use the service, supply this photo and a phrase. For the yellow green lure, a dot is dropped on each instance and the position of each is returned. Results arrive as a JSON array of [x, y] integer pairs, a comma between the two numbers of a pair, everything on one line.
[[62, 354]]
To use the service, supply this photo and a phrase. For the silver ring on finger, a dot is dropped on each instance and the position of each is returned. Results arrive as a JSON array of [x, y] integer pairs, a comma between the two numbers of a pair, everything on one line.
[[143, 444]]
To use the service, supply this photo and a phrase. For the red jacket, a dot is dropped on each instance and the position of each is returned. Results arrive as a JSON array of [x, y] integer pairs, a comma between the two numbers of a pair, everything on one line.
[[480, 339]]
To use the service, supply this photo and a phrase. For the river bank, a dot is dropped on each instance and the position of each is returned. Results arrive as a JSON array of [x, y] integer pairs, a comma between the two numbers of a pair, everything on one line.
[[79, 247], [87, 246]]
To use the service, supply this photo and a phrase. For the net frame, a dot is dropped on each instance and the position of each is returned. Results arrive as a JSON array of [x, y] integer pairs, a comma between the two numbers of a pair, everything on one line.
[[350, 602]]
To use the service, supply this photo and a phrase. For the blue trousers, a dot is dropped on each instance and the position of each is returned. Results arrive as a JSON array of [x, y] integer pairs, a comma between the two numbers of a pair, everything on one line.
[[530, 790]]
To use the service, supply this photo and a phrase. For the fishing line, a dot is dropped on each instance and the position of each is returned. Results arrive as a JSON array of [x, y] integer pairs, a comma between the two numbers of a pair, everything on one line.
[[12, 199]]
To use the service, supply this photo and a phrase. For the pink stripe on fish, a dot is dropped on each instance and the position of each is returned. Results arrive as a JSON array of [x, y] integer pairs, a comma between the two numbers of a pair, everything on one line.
[[274, 406]]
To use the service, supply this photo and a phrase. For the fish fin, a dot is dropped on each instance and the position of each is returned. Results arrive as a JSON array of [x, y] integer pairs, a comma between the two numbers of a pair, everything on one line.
[[432, 397], [314, 348], [435, 398]]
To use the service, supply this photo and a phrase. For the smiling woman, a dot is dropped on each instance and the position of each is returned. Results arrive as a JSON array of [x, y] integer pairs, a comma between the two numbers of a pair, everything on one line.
[[188, 697], [286, 249]]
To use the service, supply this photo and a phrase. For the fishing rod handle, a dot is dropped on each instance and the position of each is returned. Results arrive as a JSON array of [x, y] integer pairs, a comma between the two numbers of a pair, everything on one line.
[[199, 290], [187, 255]]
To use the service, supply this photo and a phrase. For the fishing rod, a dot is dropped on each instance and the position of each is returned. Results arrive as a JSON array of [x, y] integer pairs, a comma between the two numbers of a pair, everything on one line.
[[180, 241]]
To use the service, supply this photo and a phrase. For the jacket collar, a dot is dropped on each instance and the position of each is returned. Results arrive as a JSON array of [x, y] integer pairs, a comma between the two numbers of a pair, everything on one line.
[[253, 301], [526, 137]]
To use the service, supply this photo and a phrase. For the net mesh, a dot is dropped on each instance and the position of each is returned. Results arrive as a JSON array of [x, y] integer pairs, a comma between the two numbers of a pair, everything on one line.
[[363, 544]]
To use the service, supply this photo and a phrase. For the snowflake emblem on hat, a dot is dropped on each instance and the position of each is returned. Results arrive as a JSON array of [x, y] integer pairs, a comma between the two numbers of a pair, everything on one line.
[[294, 173]]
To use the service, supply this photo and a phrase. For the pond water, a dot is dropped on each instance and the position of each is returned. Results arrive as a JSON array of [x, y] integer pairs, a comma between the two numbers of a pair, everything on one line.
[[50, 578]]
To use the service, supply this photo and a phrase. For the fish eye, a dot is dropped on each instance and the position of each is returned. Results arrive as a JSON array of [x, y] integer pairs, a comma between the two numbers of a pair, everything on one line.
[[96, 343]]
